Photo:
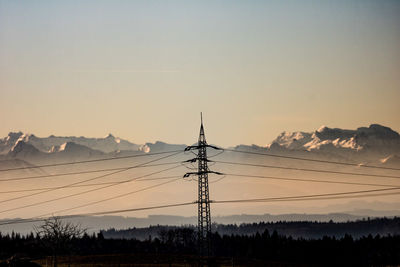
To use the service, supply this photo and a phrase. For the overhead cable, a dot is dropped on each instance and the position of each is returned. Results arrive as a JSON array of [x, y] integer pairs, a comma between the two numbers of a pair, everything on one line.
[[313, 160], [305, 169], [90, 161], [88, 180]]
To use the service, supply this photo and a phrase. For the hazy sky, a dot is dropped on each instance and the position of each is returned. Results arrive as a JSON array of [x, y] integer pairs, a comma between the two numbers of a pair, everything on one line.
[[143, 70]]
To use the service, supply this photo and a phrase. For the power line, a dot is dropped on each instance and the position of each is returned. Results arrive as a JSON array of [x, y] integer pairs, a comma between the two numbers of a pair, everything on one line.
[[304, 169], [99, 213], [314, 160], [90, 179], [86, 185], [169, 163], [304, 197], [112, 198], [64, 186], [248, 200], [229, 174], [90, 161], [84, 192], [231, 150], [291, 198], [83, 172], [347, 197], [307, 180]]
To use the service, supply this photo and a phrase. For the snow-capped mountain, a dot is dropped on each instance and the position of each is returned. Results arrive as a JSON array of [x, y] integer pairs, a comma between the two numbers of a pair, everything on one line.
[[376, 143], [53, 143], [373, 146], [73, 149], [160, 146], [23, 149], [375, 137]]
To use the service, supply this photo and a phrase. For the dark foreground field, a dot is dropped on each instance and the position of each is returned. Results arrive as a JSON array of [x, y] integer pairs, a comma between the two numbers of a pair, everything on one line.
[[178, 247], [160, 260]]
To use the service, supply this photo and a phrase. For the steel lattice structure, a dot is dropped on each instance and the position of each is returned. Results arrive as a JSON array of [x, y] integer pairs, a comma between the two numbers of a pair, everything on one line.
[[203, 202], [203, 205]]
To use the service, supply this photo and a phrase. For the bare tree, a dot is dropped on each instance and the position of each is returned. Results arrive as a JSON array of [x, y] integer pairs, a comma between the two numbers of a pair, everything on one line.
[[57, 234]]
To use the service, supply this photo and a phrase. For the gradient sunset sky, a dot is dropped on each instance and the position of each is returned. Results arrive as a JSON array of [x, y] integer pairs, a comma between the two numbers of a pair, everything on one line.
[[143, 70]]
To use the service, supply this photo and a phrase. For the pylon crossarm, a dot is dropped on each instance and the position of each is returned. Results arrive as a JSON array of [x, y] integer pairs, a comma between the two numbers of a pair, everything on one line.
[[188, 148], [188, 174], [196, 159], [201, 173], [190, 160]]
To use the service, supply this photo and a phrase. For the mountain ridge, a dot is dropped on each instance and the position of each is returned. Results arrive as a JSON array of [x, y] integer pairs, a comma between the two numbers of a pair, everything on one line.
[[375, 143]]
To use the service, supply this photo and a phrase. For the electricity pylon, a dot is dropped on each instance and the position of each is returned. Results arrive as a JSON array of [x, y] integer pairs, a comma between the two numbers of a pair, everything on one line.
[[203, 202]]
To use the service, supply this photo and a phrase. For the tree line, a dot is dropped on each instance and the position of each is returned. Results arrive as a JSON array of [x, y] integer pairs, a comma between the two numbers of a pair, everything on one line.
[[268, 246], [295, 229]]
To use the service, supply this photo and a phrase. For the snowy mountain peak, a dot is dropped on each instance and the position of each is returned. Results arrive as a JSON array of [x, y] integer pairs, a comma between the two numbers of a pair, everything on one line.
[[375, 136], [377, 131], [110, 136], [145, 148], [22, 148], [12, 136], [71, 147], [326, 133], [290, 140], [53, 143], [62, 147], [322, 128]]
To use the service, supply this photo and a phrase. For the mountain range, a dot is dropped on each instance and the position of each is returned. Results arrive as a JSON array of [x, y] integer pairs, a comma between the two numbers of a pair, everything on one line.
[[374, 144], [245, 177]]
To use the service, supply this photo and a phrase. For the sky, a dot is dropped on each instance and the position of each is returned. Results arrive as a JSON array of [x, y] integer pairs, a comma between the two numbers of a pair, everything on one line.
[[144, 70]]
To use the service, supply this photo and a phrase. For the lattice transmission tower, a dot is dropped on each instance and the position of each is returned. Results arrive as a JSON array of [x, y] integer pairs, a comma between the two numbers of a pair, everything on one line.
[[203, 202]]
